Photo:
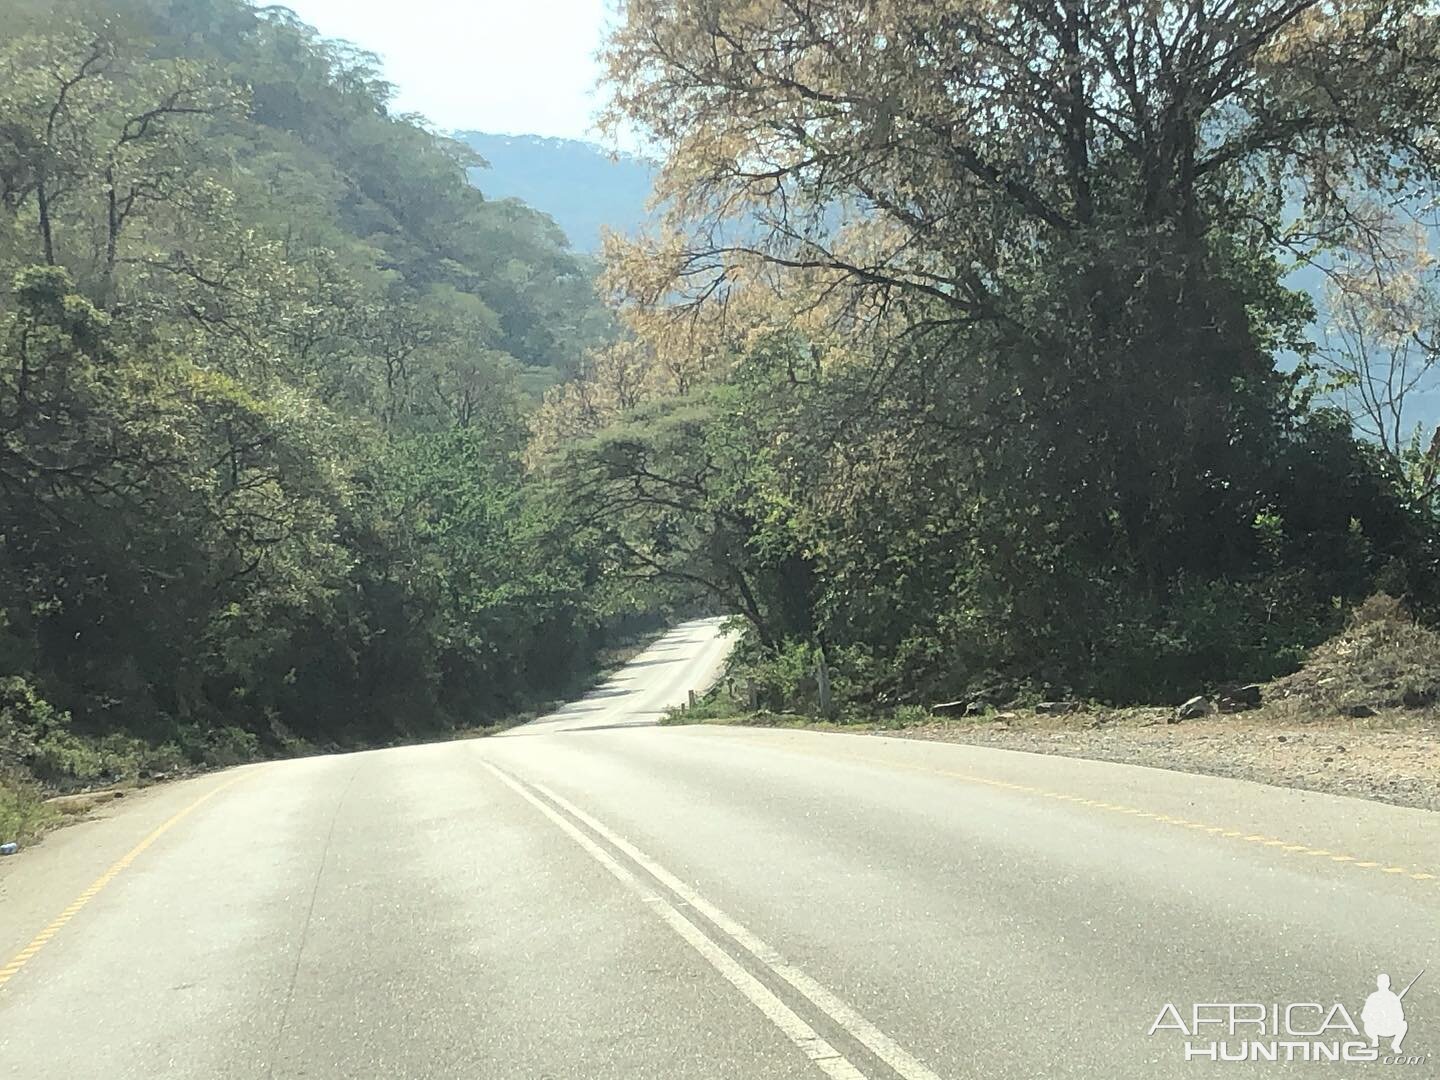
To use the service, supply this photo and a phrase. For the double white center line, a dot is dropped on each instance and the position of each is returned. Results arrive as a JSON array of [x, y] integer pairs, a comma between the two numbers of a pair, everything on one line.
[[825, 1056]]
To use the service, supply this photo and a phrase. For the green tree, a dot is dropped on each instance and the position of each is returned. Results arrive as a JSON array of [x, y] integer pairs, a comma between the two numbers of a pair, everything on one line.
[[1038, 250], [263, 359]]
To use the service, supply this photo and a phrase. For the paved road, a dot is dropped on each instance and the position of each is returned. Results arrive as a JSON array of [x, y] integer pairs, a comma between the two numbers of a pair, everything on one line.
[[592, 896]]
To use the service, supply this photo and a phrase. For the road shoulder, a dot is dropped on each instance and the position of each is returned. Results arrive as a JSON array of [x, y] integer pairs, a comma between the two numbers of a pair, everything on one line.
[[1391, 758]]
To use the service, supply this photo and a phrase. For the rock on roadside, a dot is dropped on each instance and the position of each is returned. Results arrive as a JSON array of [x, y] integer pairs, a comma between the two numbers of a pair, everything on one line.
[[1194, 709], [1233, 699]]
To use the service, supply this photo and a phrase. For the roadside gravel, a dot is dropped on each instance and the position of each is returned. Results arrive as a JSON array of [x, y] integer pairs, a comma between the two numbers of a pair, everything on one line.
[[1394, 757]]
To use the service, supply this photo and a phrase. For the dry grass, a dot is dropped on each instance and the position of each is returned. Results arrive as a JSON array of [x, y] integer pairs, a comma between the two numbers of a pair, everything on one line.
[[1383, 661], [23, 813]]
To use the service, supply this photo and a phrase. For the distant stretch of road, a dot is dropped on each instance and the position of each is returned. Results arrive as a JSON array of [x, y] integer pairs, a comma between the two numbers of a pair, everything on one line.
[[595, 896]]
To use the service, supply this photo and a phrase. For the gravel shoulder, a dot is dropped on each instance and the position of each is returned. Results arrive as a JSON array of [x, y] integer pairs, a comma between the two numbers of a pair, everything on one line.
[[1392, 757], [1360, 717]]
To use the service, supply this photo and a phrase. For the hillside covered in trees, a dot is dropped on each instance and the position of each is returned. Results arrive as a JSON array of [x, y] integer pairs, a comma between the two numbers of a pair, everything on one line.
[[265, 358], [951, 359]]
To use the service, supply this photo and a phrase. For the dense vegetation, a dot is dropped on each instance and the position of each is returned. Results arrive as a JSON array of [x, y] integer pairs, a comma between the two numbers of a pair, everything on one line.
[[961, 356], [955, 360], [265, 357]]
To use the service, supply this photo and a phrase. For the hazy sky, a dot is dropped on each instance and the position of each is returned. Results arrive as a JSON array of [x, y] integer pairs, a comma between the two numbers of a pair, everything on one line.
[[511, 66]]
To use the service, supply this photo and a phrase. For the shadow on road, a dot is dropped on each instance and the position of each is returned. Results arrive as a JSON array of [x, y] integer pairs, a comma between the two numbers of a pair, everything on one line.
[[614, 727], [607, 692], [538, 727]]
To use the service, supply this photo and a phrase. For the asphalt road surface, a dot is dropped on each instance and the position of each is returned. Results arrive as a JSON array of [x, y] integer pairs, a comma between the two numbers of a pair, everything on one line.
[[594, 896]]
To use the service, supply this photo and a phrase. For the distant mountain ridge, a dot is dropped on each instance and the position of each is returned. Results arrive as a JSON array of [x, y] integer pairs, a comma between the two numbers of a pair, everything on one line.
[[579, 184]]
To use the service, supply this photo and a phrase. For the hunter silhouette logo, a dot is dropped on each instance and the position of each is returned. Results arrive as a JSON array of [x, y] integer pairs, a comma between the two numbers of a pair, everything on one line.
[[1297, 1031], [1384, 1013]]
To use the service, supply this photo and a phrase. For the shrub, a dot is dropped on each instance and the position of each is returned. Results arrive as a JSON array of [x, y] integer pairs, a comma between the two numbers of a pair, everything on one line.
[[25, 720], [22, 810], [229, 746], [911, 716], [63, 758], [165, 759]]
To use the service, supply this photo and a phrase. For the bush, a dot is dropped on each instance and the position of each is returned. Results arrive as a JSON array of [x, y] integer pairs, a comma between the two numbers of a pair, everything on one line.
[[163, 760], [911, 715], [23, 812], [787, 679], [228, 746], [64, 759], [25, 720]]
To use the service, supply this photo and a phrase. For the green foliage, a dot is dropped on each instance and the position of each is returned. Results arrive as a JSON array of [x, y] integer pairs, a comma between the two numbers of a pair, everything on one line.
[[685, 501], [221, 746], [933, 571], [63, 757], [1033, 440], [266, 360], [26, 719], [910, 716], [715, 705], [263, 364], [1028, 435], [23, 813]]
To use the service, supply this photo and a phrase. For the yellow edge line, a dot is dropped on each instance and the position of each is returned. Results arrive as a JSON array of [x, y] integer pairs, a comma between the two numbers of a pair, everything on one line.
[[1234, 834], [16, 963]]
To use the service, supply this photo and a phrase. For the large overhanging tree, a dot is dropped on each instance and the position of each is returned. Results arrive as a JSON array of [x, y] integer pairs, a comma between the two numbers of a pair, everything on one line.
[[1071, 212], [977, 138]]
